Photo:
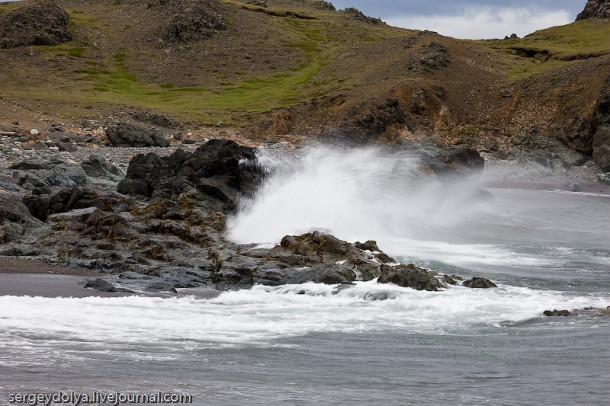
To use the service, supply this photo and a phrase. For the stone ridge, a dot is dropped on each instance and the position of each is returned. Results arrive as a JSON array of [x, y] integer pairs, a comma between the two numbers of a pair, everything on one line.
[[595, 9]]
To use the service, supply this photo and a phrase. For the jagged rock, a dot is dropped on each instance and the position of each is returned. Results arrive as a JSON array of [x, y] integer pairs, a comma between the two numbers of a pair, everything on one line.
[[360, 16], [42, 206], [131, 135], [449, 161], [329, 274], [96, 167], [595, 9], [37, 173], [194, 23], [409, 276], [325, 5], [221, 171], [14, 219], [432, 57], [382, 116], [43, 23], [556, 313], [314, 248], [479, 283], [601, 148]]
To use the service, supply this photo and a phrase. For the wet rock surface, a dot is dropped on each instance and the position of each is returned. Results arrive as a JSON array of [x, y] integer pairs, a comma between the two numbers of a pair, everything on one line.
[[479, 283], [161, 228]]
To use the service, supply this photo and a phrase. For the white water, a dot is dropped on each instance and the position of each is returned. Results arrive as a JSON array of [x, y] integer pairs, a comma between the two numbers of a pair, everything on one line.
[[360, 194], [305, 344], [372, 194], [261, 316]]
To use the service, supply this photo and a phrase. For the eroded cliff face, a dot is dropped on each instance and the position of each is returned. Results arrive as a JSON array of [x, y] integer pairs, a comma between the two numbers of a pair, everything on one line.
[[595, 9]]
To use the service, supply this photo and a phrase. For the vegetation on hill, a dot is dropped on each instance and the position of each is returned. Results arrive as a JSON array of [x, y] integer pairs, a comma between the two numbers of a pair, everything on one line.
[[300, 66]]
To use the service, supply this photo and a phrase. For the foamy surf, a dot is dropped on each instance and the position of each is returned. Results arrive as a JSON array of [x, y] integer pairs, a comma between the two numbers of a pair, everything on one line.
[[261, 316]]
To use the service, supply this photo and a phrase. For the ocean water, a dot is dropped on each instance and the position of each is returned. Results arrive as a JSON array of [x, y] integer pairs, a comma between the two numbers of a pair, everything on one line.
[[316, 344]]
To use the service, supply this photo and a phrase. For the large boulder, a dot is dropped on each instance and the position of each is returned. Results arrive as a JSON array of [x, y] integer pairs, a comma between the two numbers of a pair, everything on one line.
[[42, 205], [97, 168], [220, 171], [479, 283], [595, 9], [33, 173], [409, 276], [450, 161], [42, 23], [316, 248], [194, 22], [131, 135]]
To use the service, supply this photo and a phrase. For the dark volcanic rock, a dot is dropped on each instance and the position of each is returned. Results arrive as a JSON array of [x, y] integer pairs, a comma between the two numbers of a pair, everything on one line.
[[595, 9], [44, 23], [131, 135], [329, 274], [43, 205], [409, 276], [221, 171], [34, 173], [432, 57], [449, 161], [555, 313], [194, 23], [360, 16], [479, 283], [96, 167]]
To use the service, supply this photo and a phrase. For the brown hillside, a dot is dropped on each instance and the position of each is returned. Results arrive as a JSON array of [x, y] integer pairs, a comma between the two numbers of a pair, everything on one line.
[[301, 67]]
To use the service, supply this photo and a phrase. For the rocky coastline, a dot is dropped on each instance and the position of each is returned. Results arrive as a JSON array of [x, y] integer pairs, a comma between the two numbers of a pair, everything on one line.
[[150, 218]]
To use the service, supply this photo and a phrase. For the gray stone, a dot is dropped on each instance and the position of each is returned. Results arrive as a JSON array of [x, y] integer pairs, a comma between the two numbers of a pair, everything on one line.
[[479, 283], [96, 167], [409, 276], [131, 135]]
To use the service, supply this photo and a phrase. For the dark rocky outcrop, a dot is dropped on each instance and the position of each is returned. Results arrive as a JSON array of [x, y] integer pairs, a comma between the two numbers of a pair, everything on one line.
[[33, 173], [356, 14], [449, 161], [43, 23], [96, 167], [595, 9], [601, 136], [194, 22], [479, 283], [409, 276], [431, 57], [556, 313], [131, 135], [220, 171], [42, 204]]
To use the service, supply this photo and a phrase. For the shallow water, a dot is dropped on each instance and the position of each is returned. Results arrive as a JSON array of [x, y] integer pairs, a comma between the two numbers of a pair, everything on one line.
[[318, 344]]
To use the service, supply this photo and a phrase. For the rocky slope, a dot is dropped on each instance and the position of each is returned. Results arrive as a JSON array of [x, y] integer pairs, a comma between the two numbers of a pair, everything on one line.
[[595, 9], [301, 68]]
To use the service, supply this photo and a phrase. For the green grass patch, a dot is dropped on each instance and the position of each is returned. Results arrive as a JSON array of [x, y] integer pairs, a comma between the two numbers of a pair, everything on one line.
[[76, 52], [553, 47]]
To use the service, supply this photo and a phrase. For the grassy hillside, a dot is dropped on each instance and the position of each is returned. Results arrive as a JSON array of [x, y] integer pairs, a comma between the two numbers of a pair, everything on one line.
[[266, 58], [283, 66], [551, 48]]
